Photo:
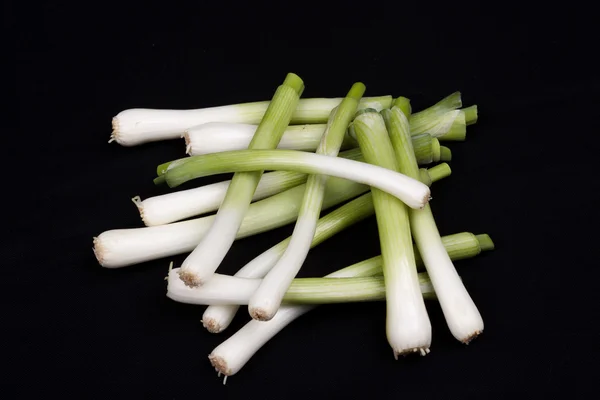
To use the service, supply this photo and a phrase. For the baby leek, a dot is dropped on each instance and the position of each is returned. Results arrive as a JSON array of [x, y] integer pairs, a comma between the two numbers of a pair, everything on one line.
[[206, 257], [228, 290], [408, 190], [217, 137], [267, 298], [214, 137], [462, 316], [408, 326], [141, 125]]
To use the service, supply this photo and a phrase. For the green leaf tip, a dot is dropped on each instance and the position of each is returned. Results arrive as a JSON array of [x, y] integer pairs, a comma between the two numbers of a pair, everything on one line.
[[439, 171], [357, 91], [485, 242], [471, 114], [404, 105], [445, 153], [295, 82]]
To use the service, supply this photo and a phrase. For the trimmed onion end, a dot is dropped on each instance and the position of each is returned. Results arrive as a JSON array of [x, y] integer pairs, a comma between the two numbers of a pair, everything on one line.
[[211, 325], [188, 144], [471, 337], [220, 364], [189, 278], [140, 206], [98, 251], [114, 136], [260, 314], [423, 351]]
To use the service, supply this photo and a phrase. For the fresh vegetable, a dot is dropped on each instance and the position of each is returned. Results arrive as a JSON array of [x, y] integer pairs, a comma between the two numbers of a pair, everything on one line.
[[141, 125], [228, 290], [410, 191], [462, 316], [207, 256], [267, 298], [317, 153], [407, 323]]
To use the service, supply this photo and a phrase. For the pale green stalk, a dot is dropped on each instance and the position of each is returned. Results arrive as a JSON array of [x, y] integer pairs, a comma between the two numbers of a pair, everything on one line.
[[227, 290], [408, 326], [458, 129], [266, 300], [445, 153], [471, 114], [462, 316], [208, 255], [410, 191]]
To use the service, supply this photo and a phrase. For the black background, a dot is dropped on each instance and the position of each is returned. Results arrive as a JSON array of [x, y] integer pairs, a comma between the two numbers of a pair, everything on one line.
[[523, 176]]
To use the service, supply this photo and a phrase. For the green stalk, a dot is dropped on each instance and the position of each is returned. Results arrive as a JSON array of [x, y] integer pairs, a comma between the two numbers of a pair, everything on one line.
[[461, 314], [266, 300], [427, 150], [471, 114], [408, 325], [208, 255], [436, 119], [445, 153], [344, 290], [458, 129], [459, 246]]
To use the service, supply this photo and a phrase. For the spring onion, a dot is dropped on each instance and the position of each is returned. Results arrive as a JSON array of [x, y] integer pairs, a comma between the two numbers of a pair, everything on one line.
[[123, 247], [445, 153], [206, 139], [142, 125], [267, 298], [462, 316], [410, 191], [231, 355], [471, 115], [407, 323], [229, 290], [210, 252], [217, 137], [214, 137]]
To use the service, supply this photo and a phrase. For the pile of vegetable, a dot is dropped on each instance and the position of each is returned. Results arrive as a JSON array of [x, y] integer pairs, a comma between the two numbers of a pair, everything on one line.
[[368, 153]]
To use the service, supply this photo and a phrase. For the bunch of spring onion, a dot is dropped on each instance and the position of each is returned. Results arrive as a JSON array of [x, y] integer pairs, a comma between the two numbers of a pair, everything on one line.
[[370, 153]]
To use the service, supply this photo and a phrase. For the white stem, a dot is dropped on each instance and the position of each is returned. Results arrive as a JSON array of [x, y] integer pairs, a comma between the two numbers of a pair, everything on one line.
[[123, 247], [267, 299], [216, 318], [230, 290], [461, 313], [176, 206], [229, 357], [214, 137], [218, 290], [142, 125]]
